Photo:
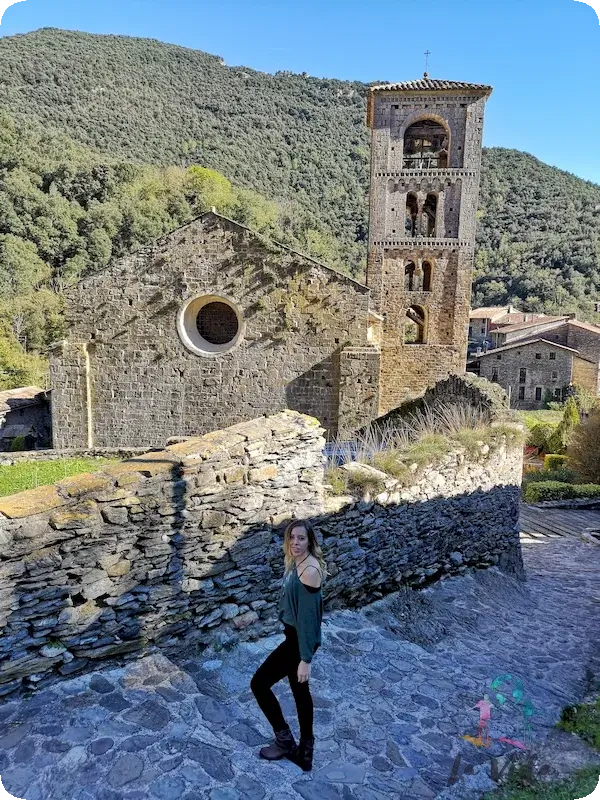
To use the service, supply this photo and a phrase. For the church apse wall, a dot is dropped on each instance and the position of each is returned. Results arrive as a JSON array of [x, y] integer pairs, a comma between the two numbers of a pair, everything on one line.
[[211, 326]]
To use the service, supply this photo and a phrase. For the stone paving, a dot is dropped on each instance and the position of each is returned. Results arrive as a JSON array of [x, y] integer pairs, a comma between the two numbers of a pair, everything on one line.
[[394, 688]]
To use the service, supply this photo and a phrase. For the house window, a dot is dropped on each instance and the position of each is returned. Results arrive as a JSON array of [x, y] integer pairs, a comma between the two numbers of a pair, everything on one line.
[[557, 393], [494, 374], [555, 376], [522, 375], [538, 392], [499, 357], [552, 356], [217, 323], [538, 356], [521, 393]]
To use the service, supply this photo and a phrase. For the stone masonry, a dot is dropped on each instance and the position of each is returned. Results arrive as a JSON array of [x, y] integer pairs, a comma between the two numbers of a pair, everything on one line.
[[439, 258], [124, 377], [182, 547], [529, 370]]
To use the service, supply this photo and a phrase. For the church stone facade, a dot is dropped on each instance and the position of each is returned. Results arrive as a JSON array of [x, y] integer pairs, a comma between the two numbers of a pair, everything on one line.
[[213, 324]]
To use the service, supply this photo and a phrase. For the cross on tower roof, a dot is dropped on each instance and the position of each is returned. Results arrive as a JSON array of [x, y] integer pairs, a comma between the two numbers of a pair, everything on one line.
[[427, 54]]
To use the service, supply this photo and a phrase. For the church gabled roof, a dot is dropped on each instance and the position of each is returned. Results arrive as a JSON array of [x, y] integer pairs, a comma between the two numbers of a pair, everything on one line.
[[266, 241], [428, 84]]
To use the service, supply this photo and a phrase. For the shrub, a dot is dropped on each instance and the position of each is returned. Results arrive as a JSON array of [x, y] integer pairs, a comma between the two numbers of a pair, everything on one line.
[[560, 474], [540, 491], [584, 447], [554, 461], [558, 442], [548, 397], [17, 444], [540, 434], [584, 399]]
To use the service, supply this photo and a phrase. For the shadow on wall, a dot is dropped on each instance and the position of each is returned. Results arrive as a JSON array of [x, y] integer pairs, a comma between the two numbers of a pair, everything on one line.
[[316, 392], [203, 570]]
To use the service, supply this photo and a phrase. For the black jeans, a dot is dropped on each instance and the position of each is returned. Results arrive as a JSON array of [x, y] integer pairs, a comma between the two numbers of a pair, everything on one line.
[[283, 662]]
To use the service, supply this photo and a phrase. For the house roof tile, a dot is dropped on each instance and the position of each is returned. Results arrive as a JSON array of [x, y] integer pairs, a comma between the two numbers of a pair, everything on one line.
[[488, 312], [526, 343], [521, 326]]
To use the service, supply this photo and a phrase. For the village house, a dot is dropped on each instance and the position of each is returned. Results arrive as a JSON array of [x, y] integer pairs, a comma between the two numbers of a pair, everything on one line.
[[540, 360], [485, 321], [213, 324], [24, 418]]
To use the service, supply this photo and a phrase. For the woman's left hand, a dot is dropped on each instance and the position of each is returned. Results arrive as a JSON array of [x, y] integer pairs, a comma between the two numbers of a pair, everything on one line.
[[303, 672]]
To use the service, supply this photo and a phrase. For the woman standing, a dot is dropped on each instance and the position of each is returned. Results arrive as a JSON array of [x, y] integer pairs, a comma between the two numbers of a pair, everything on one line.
[[301, 611]]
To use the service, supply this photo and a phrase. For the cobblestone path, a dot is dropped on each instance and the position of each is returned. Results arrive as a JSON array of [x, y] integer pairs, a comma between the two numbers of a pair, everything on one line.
[[394, 693]]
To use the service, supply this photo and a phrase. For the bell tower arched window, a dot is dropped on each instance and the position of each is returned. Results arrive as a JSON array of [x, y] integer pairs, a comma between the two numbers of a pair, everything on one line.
[[409, 277], [429, 215], [414, 326], [426, 145], [427, 276], [412, 214]]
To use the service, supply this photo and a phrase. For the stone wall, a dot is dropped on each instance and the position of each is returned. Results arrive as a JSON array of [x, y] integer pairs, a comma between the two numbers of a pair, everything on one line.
[[182, 547], [459, 513], [124, 377], [467, 389]]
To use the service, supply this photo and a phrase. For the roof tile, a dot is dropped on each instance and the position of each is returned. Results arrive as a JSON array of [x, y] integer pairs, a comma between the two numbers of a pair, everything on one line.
[[430, 84]]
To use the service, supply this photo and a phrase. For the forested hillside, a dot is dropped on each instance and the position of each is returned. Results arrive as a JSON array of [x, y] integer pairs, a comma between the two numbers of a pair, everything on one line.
[[66, 211], [107, 142]]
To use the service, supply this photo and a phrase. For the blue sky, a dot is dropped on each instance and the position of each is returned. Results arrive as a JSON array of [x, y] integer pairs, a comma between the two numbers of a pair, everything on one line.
[[541, 56]]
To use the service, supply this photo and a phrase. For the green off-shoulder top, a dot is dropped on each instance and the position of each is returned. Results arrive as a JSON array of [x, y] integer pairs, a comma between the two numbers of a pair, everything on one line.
[[302, 607]]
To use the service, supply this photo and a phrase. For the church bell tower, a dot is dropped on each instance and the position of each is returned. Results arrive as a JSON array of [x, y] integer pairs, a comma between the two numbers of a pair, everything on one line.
[[426, 140]]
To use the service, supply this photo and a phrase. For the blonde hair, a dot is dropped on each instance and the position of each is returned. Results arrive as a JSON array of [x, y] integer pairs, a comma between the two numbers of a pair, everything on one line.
[[314, 547]]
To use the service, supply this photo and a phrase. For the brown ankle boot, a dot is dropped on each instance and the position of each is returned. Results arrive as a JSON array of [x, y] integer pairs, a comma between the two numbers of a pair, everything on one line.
[[283, 745], [303, 757]]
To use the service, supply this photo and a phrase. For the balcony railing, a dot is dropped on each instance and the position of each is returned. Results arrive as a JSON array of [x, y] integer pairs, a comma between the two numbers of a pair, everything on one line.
[[424, 162]]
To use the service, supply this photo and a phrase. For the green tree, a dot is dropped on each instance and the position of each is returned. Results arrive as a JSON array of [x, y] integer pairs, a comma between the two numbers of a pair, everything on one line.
[[561, 437], [584, 447], [21, 268]]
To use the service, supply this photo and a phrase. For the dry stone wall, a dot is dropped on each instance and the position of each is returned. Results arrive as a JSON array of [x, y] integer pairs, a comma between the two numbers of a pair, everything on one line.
[[182, 547], [459, 513]]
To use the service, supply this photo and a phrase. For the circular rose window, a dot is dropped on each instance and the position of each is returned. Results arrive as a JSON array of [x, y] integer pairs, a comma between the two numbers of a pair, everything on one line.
[[209, 325]]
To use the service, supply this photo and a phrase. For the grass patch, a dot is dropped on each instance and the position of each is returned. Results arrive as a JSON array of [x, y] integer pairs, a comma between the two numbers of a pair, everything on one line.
[[518, 786], [359, 482], [424, 438], [391, 462], [337, 478], [31, 474], [584, 720]]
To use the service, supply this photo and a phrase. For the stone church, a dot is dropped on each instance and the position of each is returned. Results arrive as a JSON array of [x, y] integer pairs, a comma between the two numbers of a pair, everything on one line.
[[213, 324]]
